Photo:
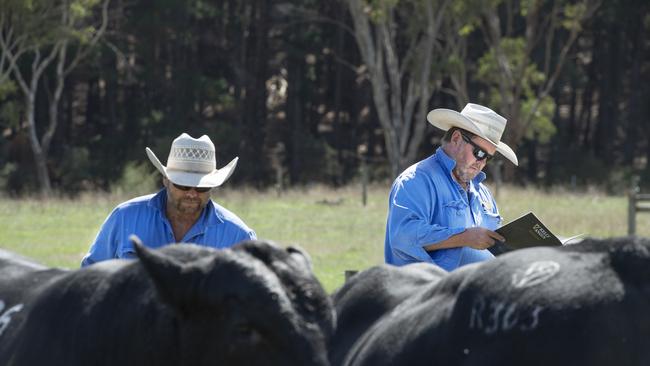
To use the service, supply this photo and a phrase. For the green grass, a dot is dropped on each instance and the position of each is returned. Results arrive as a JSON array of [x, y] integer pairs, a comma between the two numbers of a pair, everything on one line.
[[332, 225]]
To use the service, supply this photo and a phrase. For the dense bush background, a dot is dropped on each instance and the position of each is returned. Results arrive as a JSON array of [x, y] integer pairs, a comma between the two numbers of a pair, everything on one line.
[[282, 85]]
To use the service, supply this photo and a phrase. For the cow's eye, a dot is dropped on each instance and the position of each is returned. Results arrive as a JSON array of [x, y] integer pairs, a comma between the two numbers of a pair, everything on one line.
[[247, 333]]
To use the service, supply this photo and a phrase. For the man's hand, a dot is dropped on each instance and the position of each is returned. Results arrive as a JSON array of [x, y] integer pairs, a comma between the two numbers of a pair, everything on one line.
[[480, 237]]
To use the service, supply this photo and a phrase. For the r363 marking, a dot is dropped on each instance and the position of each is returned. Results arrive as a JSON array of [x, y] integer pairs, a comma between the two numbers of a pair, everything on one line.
[[492, 317]]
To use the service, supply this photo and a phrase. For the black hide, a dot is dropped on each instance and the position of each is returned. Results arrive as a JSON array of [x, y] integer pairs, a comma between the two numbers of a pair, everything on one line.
[[369, 295], [583, 304], [254, 304]]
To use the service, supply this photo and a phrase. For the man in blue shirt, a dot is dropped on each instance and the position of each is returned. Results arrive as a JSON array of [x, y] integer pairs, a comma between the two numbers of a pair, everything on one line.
[[439, 210], [181, 212]]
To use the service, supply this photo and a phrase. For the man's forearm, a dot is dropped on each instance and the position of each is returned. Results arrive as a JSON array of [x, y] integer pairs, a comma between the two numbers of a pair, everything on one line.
[[453, 241]]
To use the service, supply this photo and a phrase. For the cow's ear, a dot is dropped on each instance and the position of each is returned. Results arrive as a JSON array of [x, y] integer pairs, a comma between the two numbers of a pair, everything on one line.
[[301, 256], [168, 275]]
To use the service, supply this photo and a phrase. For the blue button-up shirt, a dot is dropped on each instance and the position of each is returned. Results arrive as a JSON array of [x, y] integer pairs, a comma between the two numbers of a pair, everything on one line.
[[145, 217], [427, 206]]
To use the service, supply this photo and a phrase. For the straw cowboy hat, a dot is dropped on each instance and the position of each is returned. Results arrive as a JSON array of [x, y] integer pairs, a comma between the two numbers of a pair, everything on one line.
[[477, 119], [192, 163]]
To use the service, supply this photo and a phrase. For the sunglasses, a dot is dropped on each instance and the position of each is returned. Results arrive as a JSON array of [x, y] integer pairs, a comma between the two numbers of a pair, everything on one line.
[[186, 188], [478, 152]]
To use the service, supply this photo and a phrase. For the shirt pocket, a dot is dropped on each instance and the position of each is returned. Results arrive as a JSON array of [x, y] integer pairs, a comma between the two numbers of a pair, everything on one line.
[[490, 220], [455, 213]]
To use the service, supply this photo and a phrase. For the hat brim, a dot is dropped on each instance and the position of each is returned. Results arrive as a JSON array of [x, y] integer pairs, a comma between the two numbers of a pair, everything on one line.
[[200, 180], [445, 119]]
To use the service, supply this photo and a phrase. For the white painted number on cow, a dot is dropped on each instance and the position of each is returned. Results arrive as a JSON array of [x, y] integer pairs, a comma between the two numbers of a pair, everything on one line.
[[491, 317], [5, 317], [535, 273]]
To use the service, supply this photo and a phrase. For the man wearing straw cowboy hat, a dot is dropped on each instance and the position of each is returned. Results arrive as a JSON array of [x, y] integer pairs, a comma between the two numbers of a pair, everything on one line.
[[439, 209], [181, 212]]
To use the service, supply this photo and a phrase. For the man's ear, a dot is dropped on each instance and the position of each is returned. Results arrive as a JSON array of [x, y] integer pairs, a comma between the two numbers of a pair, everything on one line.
[[456, 137]]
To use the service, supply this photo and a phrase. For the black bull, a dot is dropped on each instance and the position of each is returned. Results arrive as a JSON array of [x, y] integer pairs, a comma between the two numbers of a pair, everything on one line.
[[255, 304], [584, 304]]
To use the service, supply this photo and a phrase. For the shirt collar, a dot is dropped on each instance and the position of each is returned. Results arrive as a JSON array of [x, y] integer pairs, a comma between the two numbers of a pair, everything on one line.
[[448, 164], [158, 200]]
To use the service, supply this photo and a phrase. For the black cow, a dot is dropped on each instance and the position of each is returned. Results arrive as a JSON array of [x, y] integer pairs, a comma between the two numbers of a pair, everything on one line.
[[254, 304], [371, 294], [583, 304], [20, 278]]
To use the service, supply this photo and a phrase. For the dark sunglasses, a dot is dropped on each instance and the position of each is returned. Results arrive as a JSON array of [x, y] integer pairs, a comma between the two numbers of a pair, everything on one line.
[[478, 152], [186, 188]]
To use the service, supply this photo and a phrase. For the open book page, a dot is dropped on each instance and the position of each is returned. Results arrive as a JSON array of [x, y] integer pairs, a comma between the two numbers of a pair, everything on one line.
[[525, 232], [568, 240]]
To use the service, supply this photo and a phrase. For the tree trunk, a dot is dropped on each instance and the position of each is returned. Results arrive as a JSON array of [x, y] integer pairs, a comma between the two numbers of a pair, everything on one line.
[[606, 130], [40, 156], [295, 117], [634, 115], [532, 159], [338, 128], [254, 112], [400, 96]]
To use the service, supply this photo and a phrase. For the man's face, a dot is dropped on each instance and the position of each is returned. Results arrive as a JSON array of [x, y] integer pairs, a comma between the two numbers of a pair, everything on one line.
[[186, 202], [467, 165]]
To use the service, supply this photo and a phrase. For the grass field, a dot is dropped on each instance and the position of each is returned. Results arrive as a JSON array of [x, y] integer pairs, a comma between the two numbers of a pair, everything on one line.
[[331, 224]]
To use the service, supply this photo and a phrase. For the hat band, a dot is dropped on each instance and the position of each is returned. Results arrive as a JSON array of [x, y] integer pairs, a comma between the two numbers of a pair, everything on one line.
[[191, 166], [191, 153], [191, 159]]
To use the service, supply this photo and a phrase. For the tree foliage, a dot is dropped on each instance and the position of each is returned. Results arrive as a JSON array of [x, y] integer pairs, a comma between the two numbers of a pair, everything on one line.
[[35, 35], [309, 91]]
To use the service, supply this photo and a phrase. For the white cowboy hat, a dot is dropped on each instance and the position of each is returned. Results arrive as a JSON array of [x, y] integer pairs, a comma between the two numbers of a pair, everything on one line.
[[477, 119], [192, 163]]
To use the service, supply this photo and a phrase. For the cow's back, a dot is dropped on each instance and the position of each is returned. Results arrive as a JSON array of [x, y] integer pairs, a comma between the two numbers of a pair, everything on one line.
[[372, 294], [582, 304]]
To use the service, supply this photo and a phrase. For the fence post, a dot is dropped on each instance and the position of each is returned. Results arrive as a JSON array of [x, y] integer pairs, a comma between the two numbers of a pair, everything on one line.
[[278, 157], [363, 170], [631, 208], [349, 273], [364, 182]]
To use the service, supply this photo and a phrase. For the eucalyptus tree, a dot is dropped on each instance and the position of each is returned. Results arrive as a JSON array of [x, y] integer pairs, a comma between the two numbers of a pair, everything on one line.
[[528, 44], [38, 34], [397, 41]]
